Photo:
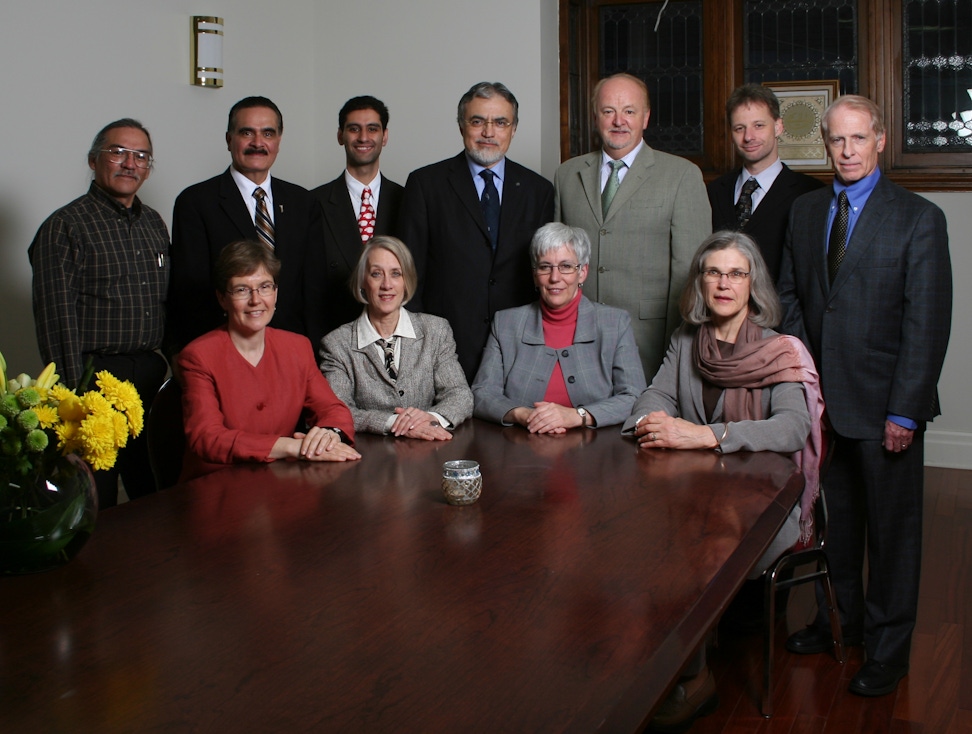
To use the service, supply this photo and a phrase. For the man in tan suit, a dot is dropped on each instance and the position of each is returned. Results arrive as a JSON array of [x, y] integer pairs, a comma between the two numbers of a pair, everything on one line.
[[646, 212]]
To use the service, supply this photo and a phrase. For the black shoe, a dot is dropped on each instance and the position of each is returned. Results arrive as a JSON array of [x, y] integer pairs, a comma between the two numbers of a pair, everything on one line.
[[812, 640], [876, 679]]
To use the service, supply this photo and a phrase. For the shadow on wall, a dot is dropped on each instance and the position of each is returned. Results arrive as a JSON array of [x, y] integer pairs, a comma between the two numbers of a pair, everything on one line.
[[17, 339]]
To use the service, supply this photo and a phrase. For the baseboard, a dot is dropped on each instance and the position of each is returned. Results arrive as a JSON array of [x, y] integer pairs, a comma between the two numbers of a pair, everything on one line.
[[948, 449]]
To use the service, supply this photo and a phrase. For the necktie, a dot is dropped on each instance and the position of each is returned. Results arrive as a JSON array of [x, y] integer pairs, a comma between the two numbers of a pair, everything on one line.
[[744, 207], [838, 236], [366, 220], [491, 206], [264, 225], [611, 187], [389, 348]]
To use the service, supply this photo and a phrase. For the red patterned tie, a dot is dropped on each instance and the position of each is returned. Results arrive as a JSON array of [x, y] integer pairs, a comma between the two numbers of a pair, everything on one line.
[[366, 220]]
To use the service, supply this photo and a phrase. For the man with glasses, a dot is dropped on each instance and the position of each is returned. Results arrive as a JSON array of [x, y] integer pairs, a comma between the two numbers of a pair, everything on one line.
[[243, 203], [101, 268], [468, 221], [646, 212]]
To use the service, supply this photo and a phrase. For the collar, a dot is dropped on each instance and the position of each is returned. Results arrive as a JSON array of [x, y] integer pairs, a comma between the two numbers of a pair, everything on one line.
[[498, 168], [765, 178], [106, 199], [859, 191], [356, 188], [368, 334], [247, 187], [629, 159]]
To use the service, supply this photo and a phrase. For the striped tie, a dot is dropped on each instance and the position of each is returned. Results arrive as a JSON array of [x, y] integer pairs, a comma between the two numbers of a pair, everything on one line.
[[264, 225]]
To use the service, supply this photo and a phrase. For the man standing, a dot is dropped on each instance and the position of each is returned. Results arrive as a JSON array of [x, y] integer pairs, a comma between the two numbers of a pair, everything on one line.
[[756, 198], [243, 203], [469, 220], [646, 212], [356, 206], [866, 283], [100, 275]]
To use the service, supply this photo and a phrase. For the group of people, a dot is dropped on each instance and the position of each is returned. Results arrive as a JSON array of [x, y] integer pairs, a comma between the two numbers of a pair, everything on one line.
[[282, 312]]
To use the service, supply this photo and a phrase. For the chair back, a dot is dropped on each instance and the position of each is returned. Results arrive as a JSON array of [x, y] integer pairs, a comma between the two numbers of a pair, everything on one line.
[[166, 434]]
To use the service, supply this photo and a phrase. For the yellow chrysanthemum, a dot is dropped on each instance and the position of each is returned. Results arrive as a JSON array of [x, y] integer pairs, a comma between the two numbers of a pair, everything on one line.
[[60, 392], [136, 419], [97, 434], [121, 429], [101, 460], [69, 407], [122, 395], [46, 415], [68, 439], [95, 403]]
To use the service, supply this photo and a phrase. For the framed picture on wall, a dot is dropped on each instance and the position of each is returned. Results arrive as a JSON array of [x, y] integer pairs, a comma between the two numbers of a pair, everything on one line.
[[802, 105]]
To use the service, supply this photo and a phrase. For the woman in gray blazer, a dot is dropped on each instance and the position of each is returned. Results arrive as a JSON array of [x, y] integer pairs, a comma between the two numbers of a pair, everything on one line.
[[563, 362], [731, 383], [397, 371]]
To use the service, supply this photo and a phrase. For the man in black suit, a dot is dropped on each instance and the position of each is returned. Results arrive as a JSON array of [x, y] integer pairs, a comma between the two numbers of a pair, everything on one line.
[[866, 283], [753, 113], [210, 215], [468, 221], [356, 206]]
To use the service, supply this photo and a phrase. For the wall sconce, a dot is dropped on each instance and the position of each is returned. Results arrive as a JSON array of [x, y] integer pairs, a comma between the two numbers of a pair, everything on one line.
[[206, 64]]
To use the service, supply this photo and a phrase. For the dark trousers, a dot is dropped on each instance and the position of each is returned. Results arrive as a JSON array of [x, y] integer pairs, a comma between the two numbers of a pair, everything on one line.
[[874, 498], [146, 371]]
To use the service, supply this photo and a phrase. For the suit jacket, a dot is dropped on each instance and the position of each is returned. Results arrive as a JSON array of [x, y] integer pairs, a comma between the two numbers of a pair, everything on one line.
[[210, 215], [429, 376], [677, 391], [642, 249], [460, 277], [601, 369], [768, 224], [879, 334], [342, 245]]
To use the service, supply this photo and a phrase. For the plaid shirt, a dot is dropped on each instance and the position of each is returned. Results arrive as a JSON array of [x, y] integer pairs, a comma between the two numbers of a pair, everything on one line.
[[100, 277]]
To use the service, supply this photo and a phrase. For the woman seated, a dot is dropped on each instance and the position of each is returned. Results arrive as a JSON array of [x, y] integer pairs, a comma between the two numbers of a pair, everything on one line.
[[247, 385], [563, 362], [396, 370], [731, 383]]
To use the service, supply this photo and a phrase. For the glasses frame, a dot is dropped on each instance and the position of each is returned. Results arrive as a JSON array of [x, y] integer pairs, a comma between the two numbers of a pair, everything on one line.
[[477, 123], [711, 275], [117, 154], [243, 292], [547, 268]]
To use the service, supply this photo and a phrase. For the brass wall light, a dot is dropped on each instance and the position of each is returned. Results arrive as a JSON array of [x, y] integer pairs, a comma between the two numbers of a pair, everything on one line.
[[206, 64]]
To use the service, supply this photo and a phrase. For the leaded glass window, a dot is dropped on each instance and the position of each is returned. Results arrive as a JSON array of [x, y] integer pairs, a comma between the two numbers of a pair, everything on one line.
[[666, 53]]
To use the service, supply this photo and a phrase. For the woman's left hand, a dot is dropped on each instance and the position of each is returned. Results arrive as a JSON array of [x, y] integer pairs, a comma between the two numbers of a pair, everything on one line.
[[659, 430], [415, 423], [552, 418], [323, 444]]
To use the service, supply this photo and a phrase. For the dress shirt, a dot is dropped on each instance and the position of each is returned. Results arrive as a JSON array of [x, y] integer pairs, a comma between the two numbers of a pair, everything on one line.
[[247, 187], [623, 171], [499, 171], [356, 189], [100, 277], [764, 178], [857, 195]]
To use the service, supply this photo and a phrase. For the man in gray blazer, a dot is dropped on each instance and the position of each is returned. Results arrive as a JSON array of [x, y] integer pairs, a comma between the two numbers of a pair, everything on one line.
[[866, 283], [645, 211]]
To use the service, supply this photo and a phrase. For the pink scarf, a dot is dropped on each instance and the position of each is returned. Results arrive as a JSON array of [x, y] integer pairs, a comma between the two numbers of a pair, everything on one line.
[[756, 363]]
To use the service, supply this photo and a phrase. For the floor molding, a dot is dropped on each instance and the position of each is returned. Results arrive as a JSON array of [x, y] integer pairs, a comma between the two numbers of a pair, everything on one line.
[[948, 449]]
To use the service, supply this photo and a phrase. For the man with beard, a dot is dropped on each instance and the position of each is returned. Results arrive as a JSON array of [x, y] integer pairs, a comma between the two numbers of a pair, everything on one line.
[[356, 206], [646, 212], [242, 203], [468, 221]]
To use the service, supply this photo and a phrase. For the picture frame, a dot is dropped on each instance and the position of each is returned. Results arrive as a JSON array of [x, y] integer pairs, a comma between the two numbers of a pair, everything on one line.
[[802, 105]]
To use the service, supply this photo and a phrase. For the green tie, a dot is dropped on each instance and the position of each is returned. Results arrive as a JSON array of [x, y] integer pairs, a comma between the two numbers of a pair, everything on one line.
[[611, 187]]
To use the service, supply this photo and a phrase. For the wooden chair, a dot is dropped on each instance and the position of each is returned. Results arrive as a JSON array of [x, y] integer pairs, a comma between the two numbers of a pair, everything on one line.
[[166, 435]]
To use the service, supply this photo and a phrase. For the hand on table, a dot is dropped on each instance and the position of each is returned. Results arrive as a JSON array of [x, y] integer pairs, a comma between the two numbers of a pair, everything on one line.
[[658, 430], [323, 444], [415, 423]]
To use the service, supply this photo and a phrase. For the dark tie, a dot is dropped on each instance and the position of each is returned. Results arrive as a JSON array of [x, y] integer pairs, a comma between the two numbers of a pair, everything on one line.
[[611, 187], [491, 206], [389, 347], [838, 236], [744, 207], [264, 225]]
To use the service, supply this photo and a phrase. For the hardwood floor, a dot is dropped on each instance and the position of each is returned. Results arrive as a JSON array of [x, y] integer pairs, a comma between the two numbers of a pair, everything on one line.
[[811, 694]]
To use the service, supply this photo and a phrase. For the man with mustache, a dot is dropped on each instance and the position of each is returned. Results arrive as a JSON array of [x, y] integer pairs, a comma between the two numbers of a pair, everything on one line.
[[468, 221], [356, 206], [646, 212], [242, 203], [100, 274]]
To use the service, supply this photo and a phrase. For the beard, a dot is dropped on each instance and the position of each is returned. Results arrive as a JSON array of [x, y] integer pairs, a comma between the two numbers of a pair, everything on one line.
[[486, 156]]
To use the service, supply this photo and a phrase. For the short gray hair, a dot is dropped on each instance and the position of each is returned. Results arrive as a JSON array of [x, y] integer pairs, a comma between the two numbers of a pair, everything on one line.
[[487, 90], [554, 235], [101, 139], [856, 103], [764, 304], [397, 248]]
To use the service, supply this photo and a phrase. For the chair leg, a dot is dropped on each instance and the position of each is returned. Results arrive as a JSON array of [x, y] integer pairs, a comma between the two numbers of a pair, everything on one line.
[[769, 623], [835, 630]]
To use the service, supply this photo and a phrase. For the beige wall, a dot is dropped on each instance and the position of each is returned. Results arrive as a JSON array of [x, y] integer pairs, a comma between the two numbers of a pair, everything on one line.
[[68, 67]]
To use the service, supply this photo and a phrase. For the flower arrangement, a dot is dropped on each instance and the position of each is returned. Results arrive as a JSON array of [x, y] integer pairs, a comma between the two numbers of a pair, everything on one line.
[[41, 418]]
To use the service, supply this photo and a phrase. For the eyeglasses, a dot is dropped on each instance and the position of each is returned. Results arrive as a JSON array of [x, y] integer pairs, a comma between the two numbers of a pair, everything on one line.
[[714, 276], [562, 268], [500, 123], [117, 154], [241, 292]]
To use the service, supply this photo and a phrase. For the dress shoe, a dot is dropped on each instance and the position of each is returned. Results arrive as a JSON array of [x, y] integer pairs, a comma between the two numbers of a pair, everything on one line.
[[876, 679], [680, 710], [812, 639]]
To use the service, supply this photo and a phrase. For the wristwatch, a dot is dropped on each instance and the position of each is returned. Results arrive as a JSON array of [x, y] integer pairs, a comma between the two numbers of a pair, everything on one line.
[[583, 414]]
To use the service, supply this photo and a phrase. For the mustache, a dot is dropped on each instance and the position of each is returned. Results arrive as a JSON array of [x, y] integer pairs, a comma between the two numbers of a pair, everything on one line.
[[254, 151]]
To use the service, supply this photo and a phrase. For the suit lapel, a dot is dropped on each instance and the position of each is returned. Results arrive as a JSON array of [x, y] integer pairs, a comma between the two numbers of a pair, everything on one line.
[[370, 353], [865, 230], [340, 220], [633, 180], [465, 190], [383, 210], [512, 202], [591, 182], [232, 204], [281, 219]]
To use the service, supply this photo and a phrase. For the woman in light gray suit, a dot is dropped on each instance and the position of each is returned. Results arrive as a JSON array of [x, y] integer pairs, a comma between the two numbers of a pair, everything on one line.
[[397, 371], [563, 362]]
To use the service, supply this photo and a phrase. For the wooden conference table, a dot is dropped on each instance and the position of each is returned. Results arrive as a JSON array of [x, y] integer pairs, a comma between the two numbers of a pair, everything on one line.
[[351, 598]]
